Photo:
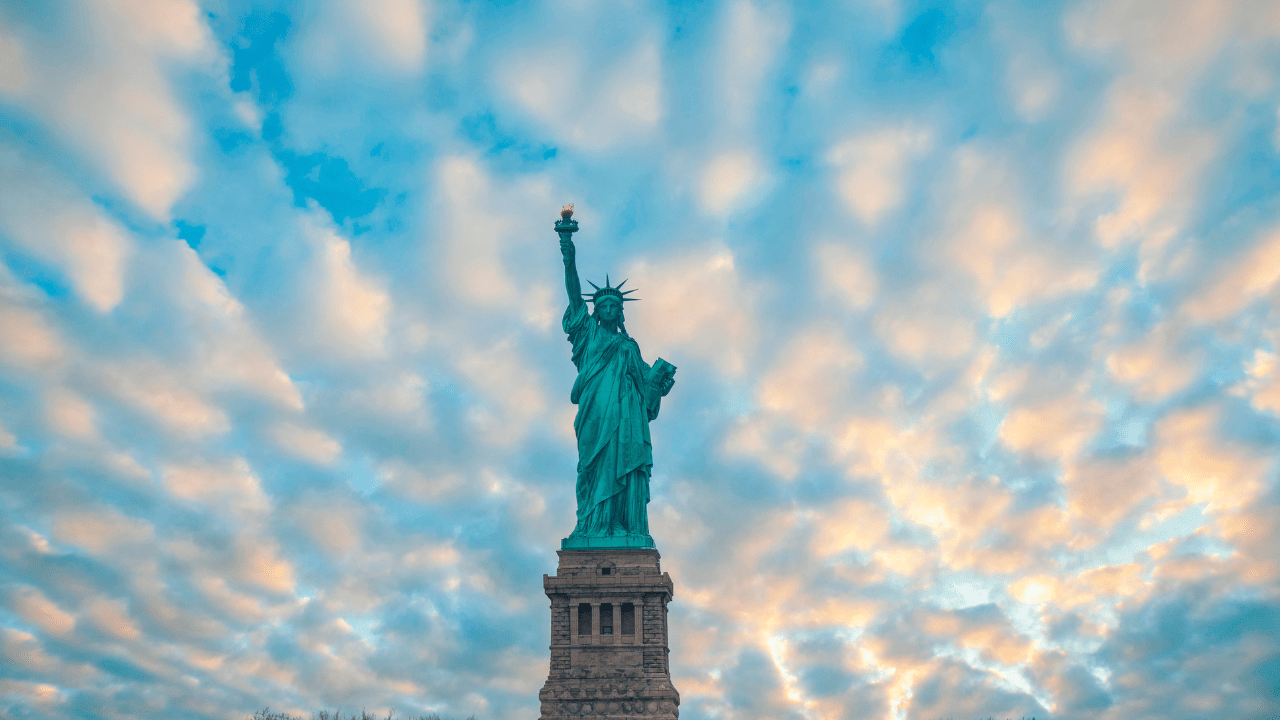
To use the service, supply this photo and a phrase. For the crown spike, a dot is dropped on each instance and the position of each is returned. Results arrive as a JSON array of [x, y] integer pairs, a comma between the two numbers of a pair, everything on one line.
[[606, 279], [597, 287], [624, 282], [628, 292]]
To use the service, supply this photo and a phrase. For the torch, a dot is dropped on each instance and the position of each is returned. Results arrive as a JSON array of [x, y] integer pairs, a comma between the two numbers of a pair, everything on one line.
[[566, 225]]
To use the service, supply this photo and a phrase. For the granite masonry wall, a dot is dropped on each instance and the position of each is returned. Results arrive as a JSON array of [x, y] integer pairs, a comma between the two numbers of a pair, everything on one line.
[[597, 671]]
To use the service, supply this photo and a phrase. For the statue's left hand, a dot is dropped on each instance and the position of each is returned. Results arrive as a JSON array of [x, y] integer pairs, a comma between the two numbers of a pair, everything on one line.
[[667, 383]]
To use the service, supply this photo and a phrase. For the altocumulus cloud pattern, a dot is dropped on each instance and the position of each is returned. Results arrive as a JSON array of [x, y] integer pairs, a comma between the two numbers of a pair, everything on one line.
[[975, 308]]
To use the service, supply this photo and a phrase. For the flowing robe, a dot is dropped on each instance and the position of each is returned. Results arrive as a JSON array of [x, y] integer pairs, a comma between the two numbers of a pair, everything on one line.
[[615, 455]]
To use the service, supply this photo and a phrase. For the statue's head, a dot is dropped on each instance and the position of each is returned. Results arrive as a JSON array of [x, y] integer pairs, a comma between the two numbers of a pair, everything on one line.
[[608, 311], [608, 302]]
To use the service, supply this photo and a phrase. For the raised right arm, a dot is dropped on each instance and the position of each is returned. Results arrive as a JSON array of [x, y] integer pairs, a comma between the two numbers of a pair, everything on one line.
[[572, 284]]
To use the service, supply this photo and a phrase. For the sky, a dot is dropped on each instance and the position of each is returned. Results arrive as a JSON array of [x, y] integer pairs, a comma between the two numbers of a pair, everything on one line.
[[975, 305]]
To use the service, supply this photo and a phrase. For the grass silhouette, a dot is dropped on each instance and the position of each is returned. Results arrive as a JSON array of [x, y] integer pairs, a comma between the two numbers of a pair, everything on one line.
[[266, 714]]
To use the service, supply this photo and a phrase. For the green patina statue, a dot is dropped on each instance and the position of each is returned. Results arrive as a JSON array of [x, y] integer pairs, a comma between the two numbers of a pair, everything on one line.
[[617, 394]]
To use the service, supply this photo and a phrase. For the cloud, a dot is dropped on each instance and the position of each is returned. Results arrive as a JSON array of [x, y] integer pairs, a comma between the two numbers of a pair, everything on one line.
[[593, 101], [1034, 86], [1056, 428], [696, 302], [729, 178], [228, 487], [1103, 491], [987, 236], [71, 415], [29, 342], [750, 46], [1156, 365], [473, 266], [512, 388], [384, 35], [846, 274], [1144, 150], [113, 100], [1189, 453], [307, 443], [926, 327], [101, 531], [332, 524], [351, 310], [810, 381], [32, 605], [872, 169], [158, 391], [1238, 283], [232, 350], [1264, 382], [54, 222]]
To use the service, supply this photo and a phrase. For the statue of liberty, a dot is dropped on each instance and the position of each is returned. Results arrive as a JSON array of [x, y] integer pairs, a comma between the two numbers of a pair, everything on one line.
[[617, 394]]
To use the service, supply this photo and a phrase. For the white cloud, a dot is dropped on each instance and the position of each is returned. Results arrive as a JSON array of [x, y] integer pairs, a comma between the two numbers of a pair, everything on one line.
[[101, 531], [70, 415], [872, 169], [593, 103], [382, 35], [728, 178], [1056, 428], [811, 379], [1146, 150], [927, 327], [1045, 334], [307, 443], [26, 340], [1191, 453], [399, 399], [1034, 87], [1152, 171], [821, 78], [50, 219], [112, 99], [1102, 492], [229, 487], [334, 525], [1240, 282], [1264, 381], [165, 395], [987, 237], [1156, 365], [752, 41], [112, 617], [13, 58], [846, 274], [696, 303], [32, 605], [473, 248], [487, 241], [232, 353], [351, 310], [258, 563], [514, 388]]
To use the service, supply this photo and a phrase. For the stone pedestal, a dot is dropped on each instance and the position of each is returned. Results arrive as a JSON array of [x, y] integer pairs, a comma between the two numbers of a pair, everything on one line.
[[609, 637]]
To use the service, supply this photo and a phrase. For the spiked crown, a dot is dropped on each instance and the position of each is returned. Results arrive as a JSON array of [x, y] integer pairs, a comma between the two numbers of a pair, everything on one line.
[[610, 292]]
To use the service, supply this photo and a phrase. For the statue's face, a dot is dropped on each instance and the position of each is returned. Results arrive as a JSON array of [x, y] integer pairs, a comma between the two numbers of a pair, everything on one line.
[[609, 312]]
